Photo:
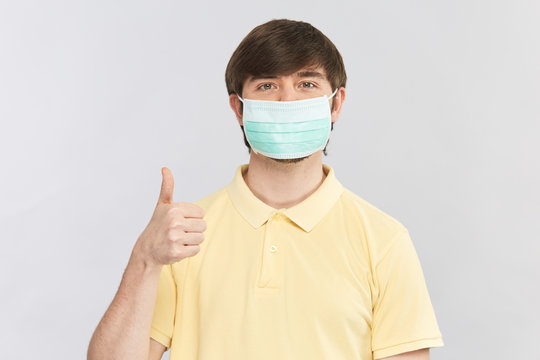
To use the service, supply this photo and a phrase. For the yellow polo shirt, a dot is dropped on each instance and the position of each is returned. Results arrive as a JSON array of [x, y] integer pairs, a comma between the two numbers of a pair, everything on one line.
[[332, 277]]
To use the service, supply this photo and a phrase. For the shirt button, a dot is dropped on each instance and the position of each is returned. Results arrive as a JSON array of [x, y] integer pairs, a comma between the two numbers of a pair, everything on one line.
[[273, 248]]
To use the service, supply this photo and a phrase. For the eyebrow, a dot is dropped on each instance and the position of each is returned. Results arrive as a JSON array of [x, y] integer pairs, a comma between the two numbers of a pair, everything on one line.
[[315, 74], [253, 78], [310, 74]]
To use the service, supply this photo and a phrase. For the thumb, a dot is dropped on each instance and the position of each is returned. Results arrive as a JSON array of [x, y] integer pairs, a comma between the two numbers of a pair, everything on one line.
[[167, 186]]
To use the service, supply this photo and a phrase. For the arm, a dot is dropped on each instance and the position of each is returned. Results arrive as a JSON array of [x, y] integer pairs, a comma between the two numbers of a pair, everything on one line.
[[156, 350], [173, 233], [422, 354], [124, 330]]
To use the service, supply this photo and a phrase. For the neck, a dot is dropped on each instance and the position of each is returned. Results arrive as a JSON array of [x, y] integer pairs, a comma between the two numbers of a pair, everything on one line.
[[283, 185]]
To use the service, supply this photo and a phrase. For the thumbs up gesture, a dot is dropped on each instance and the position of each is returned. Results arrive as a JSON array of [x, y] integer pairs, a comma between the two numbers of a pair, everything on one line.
[[175, 229]]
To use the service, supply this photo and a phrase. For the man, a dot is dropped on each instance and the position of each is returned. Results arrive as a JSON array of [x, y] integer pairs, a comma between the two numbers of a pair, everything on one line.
[[293, 265]]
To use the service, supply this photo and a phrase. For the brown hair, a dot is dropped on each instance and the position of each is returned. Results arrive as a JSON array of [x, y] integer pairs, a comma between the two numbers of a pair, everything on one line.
[[281, 47]]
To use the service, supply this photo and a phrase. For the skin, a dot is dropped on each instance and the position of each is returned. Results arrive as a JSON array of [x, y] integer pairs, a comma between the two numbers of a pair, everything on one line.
[[421, 354], [283, 183], [173, 233], [176, 229]]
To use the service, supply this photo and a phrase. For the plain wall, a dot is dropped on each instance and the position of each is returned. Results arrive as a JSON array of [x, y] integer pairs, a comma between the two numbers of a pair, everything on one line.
[[439, 129]]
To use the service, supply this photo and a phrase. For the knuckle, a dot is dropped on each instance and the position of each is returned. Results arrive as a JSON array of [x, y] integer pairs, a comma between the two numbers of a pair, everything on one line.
[[172, 211], [171, 235], [171, 224], [178, 223], [175, 253]]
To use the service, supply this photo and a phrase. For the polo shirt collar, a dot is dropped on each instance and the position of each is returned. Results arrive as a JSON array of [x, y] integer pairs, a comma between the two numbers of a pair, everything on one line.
[[305, 214]]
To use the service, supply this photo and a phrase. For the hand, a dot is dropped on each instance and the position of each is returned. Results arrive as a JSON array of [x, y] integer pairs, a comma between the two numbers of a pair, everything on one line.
[[175, 229]]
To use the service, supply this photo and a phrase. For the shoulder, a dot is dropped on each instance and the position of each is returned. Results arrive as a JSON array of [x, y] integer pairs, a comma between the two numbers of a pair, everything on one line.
[[378, 228], [216, 206], [210, 200], [369, 214]]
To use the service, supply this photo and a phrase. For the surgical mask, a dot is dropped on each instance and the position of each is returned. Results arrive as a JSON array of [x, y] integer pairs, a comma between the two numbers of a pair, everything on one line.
[[287, 129]]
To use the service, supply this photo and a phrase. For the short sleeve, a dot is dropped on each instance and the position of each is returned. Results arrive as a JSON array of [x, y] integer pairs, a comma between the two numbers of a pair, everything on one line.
[[165, 308], [403, 316]]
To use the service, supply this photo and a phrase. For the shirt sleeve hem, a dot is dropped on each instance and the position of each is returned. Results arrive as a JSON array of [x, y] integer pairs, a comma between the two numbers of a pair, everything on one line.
[[408, 346], [160, 337]]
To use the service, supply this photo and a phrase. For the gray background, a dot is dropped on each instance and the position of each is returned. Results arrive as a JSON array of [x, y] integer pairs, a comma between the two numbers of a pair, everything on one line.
[[439, 129]]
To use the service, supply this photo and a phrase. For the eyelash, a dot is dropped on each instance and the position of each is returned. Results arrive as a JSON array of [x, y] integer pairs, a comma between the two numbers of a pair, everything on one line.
[[304, 82], [261, 87]]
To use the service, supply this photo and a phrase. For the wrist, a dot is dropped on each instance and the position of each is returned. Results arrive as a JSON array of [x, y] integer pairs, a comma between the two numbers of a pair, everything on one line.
[[139, 260]]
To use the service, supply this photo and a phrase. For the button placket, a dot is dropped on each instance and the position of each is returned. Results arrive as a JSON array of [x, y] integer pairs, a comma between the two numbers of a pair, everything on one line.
[[271, 258]]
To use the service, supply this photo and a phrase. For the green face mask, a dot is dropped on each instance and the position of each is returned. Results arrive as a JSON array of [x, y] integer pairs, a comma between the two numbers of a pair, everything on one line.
[[287, 129]]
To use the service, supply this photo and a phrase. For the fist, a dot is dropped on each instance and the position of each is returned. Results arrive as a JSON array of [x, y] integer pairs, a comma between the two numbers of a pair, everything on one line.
[[175, 229]]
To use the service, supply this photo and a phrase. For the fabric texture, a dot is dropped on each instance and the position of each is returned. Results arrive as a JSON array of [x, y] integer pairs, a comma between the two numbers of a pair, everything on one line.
[[332, 277], [287, 129]]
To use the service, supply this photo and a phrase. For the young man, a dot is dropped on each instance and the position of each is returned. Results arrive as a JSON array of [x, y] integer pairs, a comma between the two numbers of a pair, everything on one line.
[[293, 265]]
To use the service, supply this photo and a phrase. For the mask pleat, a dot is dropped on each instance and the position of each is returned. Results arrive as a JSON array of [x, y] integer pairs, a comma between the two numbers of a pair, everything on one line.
[[287, 129]]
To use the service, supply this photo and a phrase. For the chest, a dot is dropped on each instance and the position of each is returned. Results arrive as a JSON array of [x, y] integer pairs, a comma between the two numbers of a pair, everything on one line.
[[278, 274]]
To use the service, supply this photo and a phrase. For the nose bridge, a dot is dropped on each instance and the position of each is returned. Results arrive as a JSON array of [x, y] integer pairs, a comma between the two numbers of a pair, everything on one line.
[[288, 92]]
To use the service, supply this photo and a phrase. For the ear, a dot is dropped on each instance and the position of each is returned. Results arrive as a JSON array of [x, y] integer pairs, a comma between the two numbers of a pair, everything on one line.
[[339, 98], [235, 105]]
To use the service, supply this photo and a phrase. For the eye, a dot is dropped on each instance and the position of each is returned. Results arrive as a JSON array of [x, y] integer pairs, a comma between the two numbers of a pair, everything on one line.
[[266, 86], [307, 84]]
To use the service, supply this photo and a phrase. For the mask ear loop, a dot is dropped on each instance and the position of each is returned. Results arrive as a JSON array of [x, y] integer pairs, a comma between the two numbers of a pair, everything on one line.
[[239, 98], [331, 96]]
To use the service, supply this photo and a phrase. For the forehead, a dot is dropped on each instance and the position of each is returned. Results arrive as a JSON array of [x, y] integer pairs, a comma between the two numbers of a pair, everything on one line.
[[307, 71]]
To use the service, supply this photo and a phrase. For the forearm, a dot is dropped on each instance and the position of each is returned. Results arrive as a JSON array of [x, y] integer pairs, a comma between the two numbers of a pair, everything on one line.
[[174, 232], [124, 330]]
